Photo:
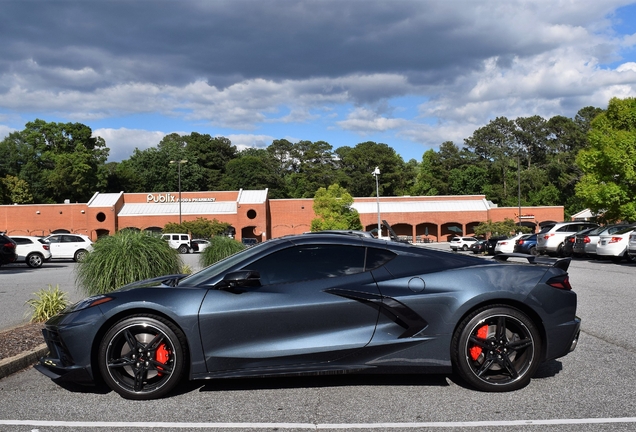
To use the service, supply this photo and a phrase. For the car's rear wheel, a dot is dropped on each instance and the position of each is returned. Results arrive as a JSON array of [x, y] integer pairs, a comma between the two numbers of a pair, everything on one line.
[[533, 251], [142, 357], [34, 260], [496, 349], [80, 255], [183, 249]]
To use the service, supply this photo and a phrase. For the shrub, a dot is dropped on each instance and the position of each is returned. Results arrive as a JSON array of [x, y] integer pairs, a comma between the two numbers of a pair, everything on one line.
[[125, 257], [219, 248], [47, 303]]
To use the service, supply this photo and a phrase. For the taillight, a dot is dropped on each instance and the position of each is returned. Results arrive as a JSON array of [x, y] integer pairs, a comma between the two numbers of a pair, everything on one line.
[[586, 239], [520, 242], [547, 236], [572, 239], [615, 239], [9, 245], [45, 247], [560, 282]]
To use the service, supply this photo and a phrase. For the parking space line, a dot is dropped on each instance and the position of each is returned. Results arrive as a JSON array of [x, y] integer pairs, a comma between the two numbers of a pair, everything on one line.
[[420, 425]]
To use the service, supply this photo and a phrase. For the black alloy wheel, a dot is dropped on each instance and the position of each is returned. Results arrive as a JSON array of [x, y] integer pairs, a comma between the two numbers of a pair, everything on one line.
[[142, 357], [496, 349], [34, 260]]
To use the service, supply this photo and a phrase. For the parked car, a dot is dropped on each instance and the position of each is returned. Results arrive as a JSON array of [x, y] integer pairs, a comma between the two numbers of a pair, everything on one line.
[[199, 245], [631, 248], [462, 243], [317, 304], [586, 242], [550, 239], [615, 246], [8, 252], [480, 246], [527, 245], [73, 246], [492, 243], [249, 242], [33, 251], [507, 245], [180, 242]]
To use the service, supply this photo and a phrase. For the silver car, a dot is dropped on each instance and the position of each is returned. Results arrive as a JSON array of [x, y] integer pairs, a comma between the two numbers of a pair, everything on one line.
[[585, 243], [551, 237]]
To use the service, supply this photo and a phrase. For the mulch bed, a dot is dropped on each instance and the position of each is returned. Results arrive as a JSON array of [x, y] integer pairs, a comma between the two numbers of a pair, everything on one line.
[[19, 339]]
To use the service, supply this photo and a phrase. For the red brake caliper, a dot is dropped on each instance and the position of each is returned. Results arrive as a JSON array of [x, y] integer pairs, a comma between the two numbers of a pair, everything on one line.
[[475, 351], [162, 355]]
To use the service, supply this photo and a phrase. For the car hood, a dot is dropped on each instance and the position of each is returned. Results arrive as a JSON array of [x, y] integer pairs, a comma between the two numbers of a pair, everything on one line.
[[167, 280]]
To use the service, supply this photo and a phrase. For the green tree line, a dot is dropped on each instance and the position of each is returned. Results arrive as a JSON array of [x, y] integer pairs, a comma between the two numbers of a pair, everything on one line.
[[580, 162]]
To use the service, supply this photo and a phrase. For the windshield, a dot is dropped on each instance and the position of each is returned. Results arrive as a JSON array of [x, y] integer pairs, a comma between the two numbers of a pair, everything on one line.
[[206, 275]]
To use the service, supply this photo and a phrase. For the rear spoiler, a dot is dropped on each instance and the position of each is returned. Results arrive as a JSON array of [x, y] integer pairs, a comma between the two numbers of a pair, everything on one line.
[[561, 263]]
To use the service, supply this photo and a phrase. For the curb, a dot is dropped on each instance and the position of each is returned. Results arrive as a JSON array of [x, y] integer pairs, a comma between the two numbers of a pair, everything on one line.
[[21, 361]]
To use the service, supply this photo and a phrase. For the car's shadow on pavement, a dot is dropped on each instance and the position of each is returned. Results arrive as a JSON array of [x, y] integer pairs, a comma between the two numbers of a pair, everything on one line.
[[546, 370]]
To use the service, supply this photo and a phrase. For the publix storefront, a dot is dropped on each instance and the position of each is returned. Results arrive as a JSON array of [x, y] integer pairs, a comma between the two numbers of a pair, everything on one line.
[[251, 214]]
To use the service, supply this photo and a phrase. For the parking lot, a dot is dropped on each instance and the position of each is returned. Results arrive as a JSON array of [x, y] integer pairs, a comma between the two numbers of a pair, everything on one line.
[[592, 389]]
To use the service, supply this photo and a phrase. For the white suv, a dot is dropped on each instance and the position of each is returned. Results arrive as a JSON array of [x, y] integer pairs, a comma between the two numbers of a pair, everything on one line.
[[550, 238], [180, 242], [74, 246], [32, 250], [462, 243]]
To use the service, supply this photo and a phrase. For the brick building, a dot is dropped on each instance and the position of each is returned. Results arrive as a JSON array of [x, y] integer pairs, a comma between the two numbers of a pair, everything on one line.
[[251, 214]]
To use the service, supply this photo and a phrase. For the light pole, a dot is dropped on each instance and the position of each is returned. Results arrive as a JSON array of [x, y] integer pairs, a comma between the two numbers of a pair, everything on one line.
[[376, 174], [179, 162]]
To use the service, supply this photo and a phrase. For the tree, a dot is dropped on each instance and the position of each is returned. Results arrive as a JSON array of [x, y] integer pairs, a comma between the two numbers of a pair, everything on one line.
[[16, 190], [57, 160], [334, 211], [252, 169], [608, 185], [358, 163], [199, 228]]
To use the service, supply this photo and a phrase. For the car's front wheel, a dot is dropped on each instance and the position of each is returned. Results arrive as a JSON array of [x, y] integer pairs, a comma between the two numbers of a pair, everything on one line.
[[465, 248], [496, 348], [142, 357], [34, 260]]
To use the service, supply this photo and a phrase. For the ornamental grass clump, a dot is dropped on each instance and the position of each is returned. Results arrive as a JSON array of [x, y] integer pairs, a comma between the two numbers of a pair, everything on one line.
[[220, 247], [47, 303], [125, 257]]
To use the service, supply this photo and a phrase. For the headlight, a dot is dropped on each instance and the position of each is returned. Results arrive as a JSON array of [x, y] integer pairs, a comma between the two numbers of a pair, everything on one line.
[[88, 302]]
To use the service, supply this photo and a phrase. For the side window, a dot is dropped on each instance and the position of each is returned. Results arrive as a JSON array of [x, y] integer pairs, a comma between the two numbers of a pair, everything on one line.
[[175, 237], [54, 239], [309, 262], [377, 258], [184, 237]]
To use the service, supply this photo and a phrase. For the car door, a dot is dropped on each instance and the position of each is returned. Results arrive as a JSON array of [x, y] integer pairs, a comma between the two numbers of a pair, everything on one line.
[[57, 250], [299, 313]]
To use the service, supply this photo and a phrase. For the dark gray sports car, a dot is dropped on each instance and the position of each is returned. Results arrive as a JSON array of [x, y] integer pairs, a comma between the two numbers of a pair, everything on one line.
[[322, 303]]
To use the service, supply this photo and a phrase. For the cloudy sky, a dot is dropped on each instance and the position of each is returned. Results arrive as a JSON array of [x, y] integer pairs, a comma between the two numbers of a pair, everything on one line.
[[411, 74]]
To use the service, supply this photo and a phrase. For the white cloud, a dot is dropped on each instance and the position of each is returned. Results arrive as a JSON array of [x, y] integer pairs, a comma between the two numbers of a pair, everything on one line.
[[122, 142]]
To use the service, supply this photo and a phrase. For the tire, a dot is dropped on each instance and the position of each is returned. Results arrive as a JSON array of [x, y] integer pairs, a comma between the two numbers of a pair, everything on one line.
[[183, 249], [34, 260], [496, 349], [559, 250], [156, 370], [465, 248], [533, 251], [80, 255]]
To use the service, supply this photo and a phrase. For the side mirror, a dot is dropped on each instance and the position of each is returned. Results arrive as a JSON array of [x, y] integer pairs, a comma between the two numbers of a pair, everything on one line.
[[241, 279]]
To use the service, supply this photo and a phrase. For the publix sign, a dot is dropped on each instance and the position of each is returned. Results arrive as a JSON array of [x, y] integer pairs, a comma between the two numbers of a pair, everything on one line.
[[169, 198]]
